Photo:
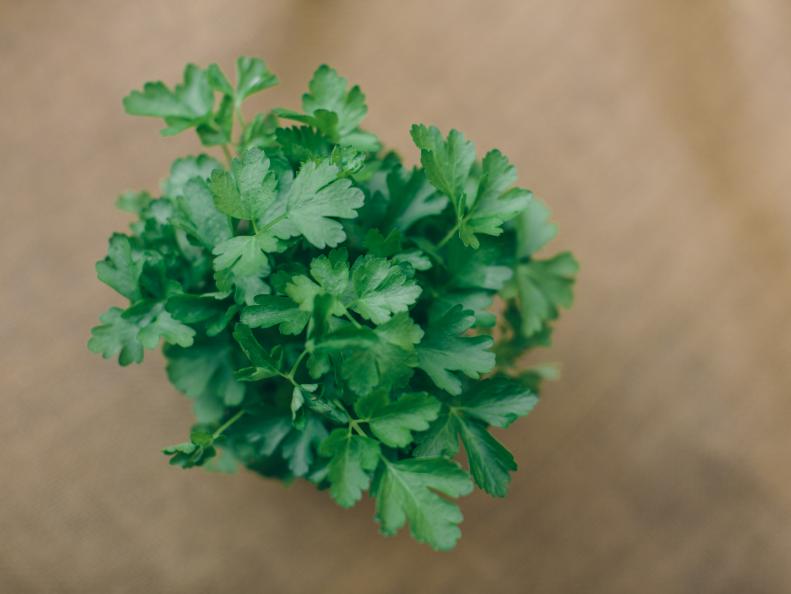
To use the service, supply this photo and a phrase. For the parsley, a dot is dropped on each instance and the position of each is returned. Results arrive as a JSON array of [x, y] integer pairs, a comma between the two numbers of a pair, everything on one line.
[[329, 310]]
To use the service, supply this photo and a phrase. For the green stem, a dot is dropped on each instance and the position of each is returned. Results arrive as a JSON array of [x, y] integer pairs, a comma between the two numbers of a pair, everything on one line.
[[354, 424], [239, 117], [296, 365], [352, 320], [273, 222], [227, 152], [449, 236], [227, 424]]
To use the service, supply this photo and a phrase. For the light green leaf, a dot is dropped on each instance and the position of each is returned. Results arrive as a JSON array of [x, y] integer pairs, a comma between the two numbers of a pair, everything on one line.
[[199, 217], [185, 106], [271, 310], [447, 162], [381, 289], [317, 197], [244, 254], [405, 492], [249, 190], [122, 267], [253, 76], [393, 422], [116, 336], [544, 286], [534, 228], [496, 201], [134, 202], [327, 93], [184, 169], [354, 457]]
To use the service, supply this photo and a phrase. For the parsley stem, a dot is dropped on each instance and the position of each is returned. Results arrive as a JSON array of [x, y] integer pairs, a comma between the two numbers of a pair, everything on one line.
[[449, 236], [273, 222], [352, 320], [239, 117], [355, 424], [296, 364], [227, 152], [227, 424]]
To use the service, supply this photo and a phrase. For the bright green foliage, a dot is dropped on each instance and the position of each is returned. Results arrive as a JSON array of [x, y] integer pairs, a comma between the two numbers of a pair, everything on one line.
[[394, 422], [353, 458], [497, 402], [331, 313], [406, 490], [446, 347]]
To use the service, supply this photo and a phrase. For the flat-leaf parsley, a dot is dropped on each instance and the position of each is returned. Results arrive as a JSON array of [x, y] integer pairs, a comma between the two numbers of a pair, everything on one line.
[[328, 309]]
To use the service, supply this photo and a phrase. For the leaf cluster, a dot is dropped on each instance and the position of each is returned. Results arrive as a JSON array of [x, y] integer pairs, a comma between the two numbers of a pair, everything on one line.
[[330, 310]]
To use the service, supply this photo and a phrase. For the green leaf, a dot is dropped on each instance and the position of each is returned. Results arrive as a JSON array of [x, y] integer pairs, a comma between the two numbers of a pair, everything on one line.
[[253, 76], [302, 143], [496, 201], [317, 197], [122, 267], [405, 492], [353, 459], [393, 422], [218, 81], [299, 448], [185, 106], [490, 463], [184, 169], [161, 326], [480, 268], [245, 255], [381, 289], [190, 454], [447, 162], [263, 364], [199, 217], [544, 286], [411, 198], [116, 336], [534, 229], [134, 202], [127, 333], [378, 358], [327, 93], [447, 348], [375, 288], [205, 373], [196, 309], [498, 401], [441, 439], [259, 133], [271, 310], [249, 190]]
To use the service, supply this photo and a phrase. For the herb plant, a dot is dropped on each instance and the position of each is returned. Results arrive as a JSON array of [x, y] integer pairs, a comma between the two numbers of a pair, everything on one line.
[[329, 310]]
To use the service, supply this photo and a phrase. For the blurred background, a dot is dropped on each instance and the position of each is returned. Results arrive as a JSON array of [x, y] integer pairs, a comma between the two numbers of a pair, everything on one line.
[[658, 131]]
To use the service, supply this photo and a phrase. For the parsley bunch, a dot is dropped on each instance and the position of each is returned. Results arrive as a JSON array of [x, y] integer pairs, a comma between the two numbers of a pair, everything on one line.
[[329, 310]]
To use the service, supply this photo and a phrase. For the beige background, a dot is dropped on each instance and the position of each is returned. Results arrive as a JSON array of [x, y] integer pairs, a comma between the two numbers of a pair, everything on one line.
[[660, 134]]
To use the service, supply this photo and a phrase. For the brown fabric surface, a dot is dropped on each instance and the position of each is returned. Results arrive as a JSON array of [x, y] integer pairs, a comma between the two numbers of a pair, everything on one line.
[[659, 133]]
